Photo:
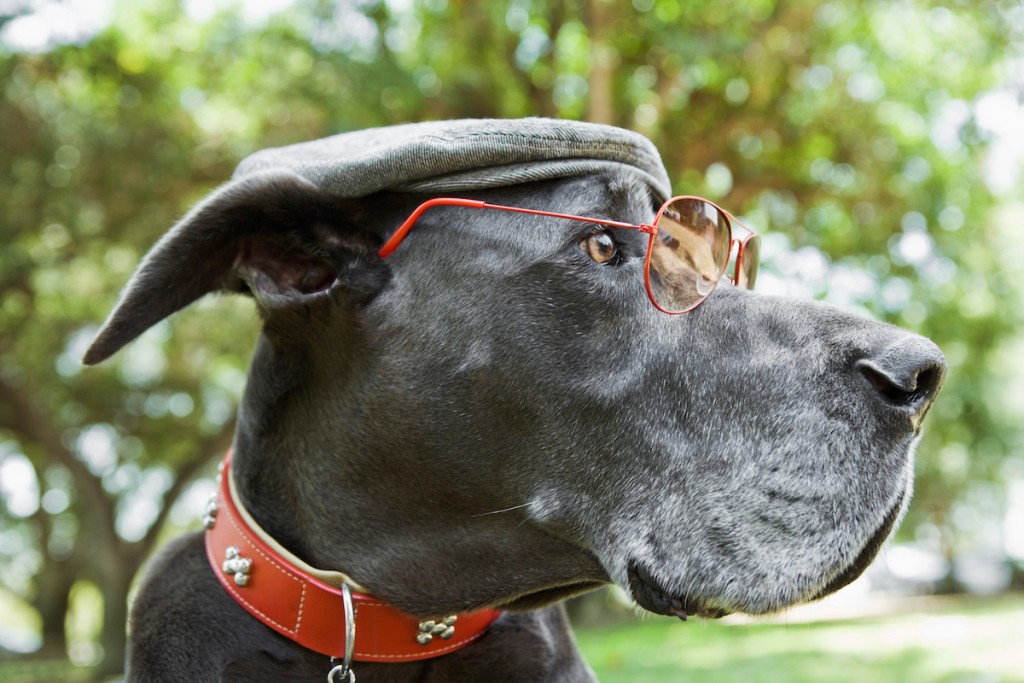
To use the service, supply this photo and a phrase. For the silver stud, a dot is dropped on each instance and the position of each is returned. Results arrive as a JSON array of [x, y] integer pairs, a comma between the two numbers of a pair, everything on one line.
[[449, 627], [210, 515], [236, 565], [445, 629]]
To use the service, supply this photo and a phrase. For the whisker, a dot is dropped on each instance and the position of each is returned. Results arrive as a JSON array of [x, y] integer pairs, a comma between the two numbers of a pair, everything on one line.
[[497, 512]]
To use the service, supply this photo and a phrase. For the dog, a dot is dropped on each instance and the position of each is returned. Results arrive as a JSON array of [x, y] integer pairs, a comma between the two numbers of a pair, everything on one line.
[[495, 418]]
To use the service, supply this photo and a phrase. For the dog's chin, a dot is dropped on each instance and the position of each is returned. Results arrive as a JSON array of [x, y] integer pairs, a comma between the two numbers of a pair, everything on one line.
[[868, 553], [654, 597]]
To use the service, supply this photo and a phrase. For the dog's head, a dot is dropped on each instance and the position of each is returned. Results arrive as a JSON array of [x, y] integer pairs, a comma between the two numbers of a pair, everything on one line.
[[492, 416]]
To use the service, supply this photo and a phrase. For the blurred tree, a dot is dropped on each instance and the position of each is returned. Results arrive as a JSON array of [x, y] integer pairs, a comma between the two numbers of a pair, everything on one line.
[[847, 128]]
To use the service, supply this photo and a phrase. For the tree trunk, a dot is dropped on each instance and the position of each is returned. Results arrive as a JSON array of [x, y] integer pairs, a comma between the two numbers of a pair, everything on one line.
[[53, 593], [114, 585], [600, 105]]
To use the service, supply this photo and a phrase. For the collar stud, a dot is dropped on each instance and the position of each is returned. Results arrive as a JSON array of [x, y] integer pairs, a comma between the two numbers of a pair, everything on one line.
[[236, 565], [444, 629], [210, 514]]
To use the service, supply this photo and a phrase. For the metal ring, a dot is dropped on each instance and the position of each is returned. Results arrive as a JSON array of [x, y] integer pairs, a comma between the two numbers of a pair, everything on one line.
[[350, 626], [344, 671]]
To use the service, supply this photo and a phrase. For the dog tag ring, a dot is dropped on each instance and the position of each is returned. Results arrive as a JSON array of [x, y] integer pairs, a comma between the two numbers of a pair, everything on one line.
[[343, 673]]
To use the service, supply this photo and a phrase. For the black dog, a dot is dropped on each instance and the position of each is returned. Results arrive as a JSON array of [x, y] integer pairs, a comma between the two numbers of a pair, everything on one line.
[[493, 417]]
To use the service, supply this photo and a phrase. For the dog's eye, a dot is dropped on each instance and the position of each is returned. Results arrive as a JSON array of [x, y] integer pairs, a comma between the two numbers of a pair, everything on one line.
[[600, 247]]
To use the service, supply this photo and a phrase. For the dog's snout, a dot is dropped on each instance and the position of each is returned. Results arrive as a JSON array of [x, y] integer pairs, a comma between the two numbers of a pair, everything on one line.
[[907, 374]]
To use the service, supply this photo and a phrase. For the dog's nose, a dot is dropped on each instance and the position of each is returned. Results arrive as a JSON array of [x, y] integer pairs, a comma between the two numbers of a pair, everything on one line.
[[907, 374]]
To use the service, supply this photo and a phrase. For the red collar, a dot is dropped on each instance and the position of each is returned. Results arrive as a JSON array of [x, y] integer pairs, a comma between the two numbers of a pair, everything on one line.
[[289, 599]]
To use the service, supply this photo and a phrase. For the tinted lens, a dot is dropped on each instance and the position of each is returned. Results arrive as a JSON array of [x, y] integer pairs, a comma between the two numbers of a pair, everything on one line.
[[688, 255], [750, 257]]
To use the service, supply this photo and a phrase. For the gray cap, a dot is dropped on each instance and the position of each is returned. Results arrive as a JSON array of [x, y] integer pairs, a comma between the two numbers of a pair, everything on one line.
[[463, 155]]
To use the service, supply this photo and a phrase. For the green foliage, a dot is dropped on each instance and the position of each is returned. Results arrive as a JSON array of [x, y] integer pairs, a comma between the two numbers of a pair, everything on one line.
[[845, 131]]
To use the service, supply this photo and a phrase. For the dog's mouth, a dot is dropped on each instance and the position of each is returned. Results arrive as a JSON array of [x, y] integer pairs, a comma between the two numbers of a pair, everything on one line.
[[651, 596]]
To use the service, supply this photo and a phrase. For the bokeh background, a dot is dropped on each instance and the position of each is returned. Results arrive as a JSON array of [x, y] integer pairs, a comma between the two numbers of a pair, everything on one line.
[[877, 146]]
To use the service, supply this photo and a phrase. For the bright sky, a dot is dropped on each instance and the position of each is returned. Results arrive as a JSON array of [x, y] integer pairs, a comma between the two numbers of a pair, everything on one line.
[[53, 23], [69, 21]]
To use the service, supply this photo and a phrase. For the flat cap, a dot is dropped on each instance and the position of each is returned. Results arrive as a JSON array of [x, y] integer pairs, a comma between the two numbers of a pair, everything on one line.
[[466, 154]]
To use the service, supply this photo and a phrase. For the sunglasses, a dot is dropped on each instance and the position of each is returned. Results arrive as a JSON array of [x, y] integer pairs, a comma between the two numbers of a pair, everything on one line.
[[687, 255]]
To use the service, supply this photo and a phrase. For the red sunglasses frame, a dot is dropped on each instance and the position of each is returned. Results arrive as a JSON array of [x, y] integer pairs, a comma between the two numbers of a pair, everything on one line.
[[650, 229], [742, 247]]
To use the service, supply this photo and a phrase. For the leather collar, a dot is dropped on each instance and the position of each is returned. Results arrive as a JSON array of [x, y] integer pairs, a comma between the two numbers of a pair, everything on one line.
[[306, 605]]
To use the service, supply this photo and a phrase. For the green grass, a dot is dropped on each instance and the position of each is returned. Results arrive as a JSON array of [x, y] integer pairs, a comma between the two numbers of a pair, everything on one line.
[[950, 642], [37, 672]]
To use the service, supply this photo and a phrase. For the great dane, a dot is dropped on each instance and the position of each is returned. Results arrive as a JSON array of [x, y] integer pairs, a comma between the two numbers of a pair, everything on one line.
[[499, 415]]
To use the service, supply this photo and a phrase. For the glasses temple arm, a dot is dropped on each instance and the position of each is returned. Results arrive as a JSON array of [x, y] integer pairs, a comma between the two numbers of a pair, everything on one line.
[[737, 221], [403, 230]]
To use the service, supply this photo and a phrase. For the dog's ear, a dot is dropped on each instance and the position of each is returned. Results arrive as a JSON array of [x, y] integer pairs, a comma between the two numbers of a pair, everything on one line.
[[274, 235]]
